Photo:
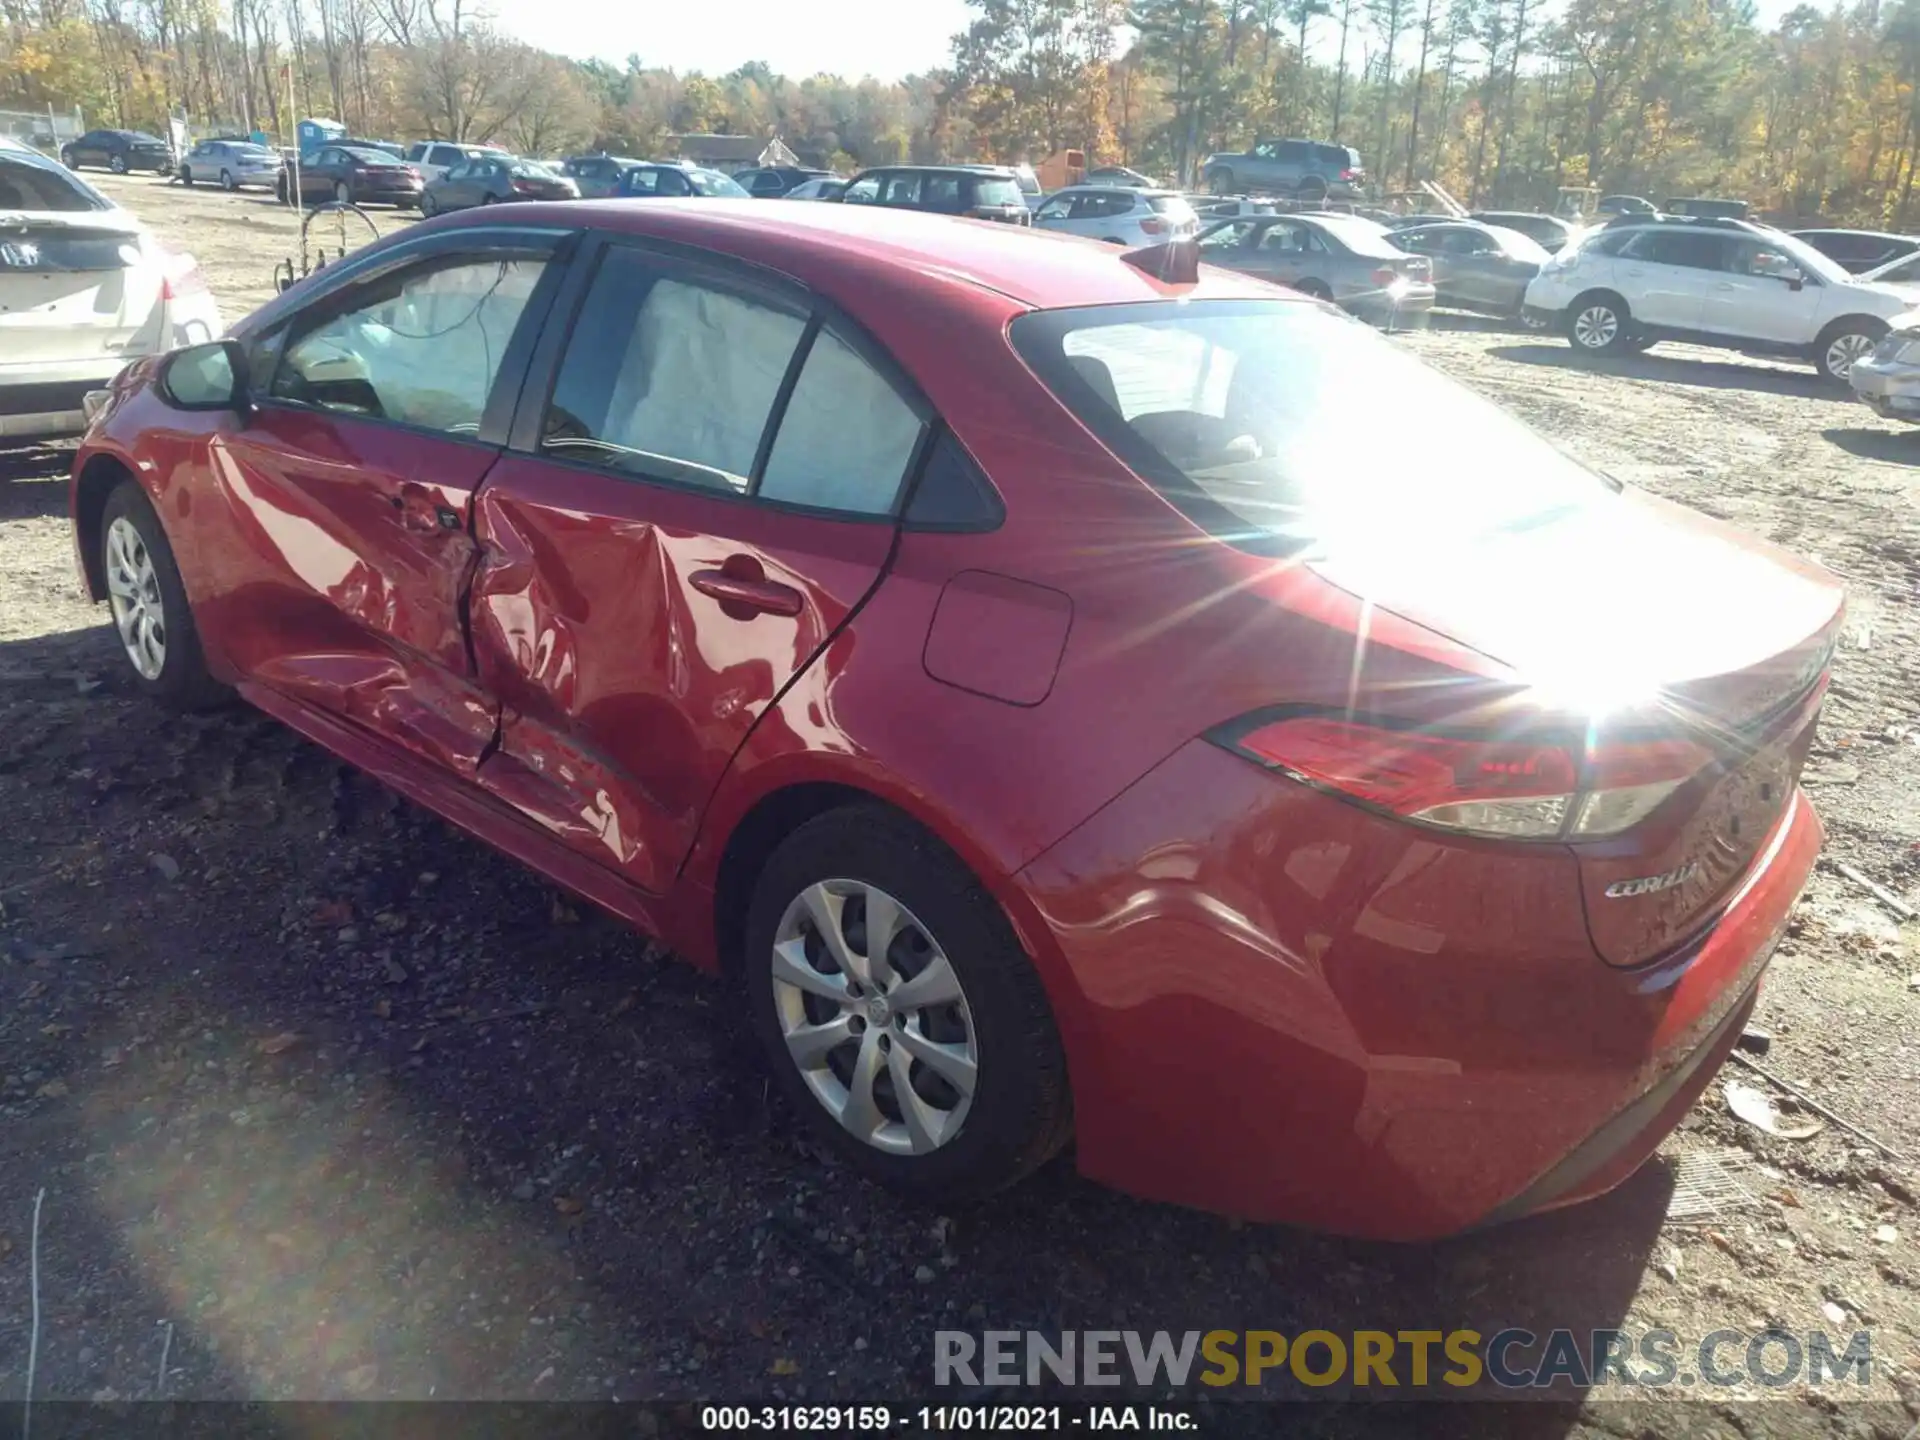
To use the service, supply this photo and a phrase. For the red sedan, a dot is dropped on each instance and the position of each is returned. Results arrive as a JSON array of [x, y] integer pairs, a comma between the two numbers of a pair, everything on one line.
[[1072, 702]]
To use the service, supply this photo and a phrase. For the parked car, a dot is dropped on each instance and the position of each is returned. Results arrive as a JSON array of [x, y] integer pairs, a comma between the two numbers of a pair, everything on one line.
[[772, 182], [1704, 207], [1407, 222], [1476, 266], [1308, 169], [1121, 176], [353, 175], [1388, 805], [118, 151], [1120, 217], [488, 180], [984, 192], [1904, 271], [1858, 251], [668, 179], [232, 164], [1716, 282], [827, 189], [1888, 377], [598, 176], [1550, 232], [85, 288], [433, 158], [1344, 259], [1625, 205], [1031, 190]]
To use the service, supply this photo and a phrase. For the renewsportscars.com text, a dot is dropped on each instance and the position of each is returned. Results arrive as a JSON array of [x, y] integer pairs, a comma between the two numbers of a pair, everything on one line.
[[1510, 1359]]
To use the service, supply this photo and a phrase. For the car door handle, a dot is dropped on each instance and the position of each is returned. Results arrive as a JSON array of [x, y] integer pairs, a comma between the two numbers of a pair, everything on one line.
[[753, 595]]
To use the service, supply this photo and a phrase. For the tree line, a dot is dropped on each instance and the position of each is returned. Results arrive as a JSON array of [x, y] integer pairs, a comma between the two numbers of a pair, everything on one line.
[[1504, 102]]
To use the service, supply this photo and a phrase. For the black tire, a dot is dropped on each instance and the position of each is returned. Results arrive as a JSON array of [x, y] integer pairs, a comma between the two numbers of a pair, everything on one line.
[[186, 177], [489, 198], [342, 192], [1220, 182], [227, 182], [1842, 335], [1599, 323], [183, 681], [1318, 289], [1021, 1112], [117, 164], [429, 207], [283, 190], [66, 159], [1311, 191]]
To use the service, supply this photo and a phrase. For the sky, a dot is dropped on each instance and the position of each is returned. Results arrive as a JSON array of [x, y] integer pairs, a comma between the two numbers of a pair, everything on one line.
[[887, 39]]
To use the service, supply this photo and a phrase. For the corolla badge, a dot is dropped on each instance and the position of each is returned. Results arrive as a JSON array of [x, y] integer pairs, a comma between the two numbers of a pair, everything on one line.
[[1652, 884]]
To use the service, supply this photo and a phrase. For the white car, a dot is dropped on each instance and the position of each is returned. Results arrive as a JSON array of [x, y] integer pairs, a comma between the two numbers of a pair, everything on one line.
[[826, 188], [1728, 283], [433, 158], [84, 289], [1120, 217]]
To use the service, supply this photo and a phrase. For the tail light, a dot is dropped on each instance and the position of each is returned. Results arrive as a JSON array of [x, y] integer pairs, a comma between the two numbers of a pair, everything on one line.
[[180, 274], [1515, 790], [1346, 174], [524, 187], [1153, 225], [1385, 276]]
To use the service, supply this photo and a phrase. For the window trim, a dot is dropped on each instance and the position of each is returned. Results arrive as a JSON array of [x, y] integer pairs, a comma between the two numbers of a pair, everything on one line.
[[755, 282], [496, 415]]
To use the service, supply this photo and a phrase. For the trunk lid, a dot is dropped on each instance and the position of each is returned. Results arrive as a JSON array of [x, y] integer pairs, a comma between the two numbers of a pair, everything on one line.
[[75, 286], [1648, 619]]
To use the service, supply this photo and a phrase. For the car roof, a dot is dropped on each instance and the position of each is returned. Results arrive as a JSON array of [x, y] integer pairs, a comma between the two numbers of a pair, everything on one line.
[[833, 248], [1848, 230], [1007, 172]]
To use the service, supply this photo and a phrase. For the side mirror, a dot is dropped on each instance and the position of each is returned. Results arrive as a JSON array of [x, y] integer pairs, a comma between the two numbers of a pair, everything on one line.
[[212, 376]]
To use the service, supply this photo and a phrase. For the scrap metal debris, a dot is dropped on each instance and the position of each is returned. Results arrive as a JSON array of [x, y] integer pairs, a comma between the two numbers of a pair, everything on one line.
[[1705, 1186], [1879, 892], [1756, 1107], [1814, 1105]]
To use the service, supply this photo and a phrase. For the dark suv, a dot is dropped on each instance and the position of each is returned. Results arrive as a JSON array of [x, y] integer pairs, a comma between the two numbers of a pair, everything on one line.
[[1311, 170], [770, 182], [119, 151], [985, 192]]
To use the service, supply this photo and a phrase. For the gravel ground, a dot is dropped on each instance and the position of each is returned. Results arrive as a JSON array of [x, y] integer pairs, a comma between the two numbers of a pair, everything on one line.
[[327, 1100]]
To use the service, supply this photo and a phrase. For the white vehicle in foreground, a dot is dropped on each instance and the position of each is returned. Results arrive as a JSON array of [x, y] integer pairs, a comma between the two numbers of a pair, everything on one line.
[[1728, 283], [84, 289], [1121, 217], [433, 158]]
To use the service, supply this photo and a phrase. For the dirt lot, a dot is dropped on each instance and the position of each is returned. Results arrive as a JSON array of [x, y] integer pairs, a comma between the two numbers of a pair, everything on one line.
[[327, 1100]]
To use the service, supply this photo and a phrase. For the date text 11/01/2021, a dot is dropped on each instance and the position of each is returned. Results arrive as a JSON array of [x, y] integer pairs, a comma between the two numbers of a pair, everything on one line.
[[942, 1419]]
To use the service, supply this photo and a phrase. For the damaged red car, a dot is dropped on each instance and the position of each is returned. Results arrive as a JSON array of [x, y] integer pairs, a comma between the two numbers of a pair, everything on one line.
[[1078, 700]]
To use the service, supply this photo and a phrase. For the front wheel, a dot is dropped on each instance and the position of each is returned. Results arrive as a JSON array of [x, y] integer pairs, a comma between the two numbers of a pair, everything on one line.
[[118, 164], [1841, 345], [899, 1013], [429, 207], [1598, 325], [227, 182], [342, 193], [149, 604]]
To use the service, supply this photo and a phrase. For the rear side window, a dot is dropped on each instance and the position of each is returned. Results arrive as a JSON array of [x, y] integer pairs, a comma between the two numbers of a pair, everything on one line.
[[1333, 155], [669, 377], [942, 192], [28, 186], [1693, 249], [990, 191], [1174, 207], [845, 438]]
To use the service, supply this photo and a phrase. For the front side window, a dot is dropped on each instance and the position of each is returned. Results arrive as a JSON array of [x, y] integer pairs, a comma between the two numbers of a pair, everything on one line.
[[669, 377], [902, 189], [640, 182], [1253, 417], [421, 347], [1226, 237], [864, 191], [1054, 209]]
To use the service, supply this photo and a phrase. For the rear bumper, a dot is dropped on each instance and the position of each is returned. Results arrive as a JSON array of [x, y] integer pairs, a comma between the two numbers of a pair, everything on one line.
[[1891, 387], [45, 410], [1283, 1008]]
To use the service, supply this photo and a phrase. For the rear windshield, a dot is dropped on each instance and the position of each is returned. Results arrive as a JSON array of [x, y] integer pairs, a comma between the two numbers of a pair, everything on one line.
[[27, 185], [46, 249], [712, 182], [372, 157], [1261, 421], [1519, 245], [1172, 205], [1360, 235], [989, 191], [530, 170]]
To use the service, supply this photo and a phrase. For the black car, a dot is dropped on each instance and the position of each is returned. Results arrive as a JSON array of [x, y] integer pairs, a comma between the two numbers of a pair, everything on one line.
[[770, 182], [118, 151], [1625, 205], [355, 174], [984, 192], [659, 180], [1549, 232], [1858, 251]]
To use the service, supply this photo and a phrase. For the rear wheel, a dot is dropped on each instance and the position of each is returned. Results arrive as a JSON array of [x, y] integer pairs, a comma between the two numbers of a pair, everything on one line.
[[1598, 324], [899, 1013], [117, 164], [1318, 289], [342, 192], [1220, 182], [1312, 191], [149, 604], [1842, 343]]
